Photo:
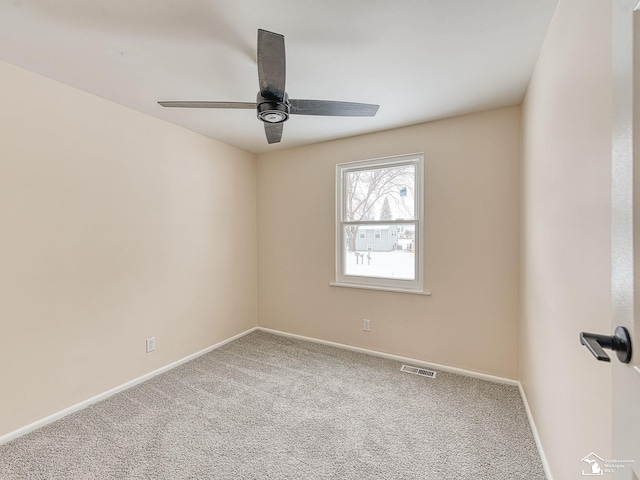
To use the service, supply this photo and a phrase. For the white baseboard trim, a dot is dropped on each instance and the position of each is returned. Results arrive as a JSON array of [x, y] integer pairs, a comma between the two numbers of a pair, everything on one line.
[[79, 406], [536, 437], [389, 356]]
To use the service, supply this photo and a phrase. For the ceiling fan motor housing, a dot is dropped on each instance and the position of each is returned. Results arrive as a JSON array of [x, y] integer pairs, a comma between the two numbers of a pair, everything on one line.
[[272, 110]]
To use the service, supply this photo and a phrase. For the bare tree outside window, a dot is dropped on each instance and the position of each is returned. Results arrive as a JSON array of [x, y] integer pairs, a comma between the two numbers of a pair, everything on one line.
[[389, 191]]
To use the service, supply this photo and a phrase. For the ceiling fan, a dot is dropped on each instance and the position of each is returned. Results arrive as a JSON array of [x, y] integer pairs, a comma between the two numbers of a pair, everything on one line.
[[272, 103]]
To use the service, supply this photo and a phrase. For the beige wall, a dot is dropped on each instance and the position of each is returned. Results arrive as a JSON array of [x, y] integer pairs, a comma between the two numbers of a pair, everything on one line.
[[471, 248], [566, 228], [114, 226]]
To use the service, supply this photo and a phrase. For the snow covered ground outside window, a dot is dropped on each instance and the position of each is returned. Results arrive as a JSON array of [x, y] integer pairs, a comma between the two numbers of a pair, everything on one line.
[[399, 264]]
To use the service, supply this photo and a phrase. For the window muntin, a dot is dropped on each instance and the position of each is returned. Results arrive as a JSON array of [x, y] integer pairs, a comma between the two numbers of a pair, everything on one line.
[[379, 223]]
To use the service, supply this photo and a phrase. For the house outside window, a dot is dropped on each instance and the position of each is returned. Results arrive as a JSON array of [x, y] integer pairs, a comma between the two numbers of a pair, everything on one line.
[[379, 215]]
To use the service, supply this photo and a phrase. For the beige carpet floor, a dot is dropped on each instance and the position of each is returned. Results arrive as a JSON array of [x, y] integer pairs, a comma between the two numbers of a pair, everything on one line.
[[269, 407]]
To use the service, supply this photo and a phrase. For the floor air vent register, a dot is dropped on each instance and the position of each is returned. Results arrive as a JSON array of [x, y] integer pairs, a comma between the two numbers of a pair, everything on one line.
[[418, 371]]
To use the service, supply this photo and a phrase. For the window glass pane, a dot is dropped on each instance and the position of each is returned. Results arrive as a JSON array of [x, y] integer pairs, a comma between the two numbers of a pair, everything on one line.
[[380, 194], [389, 255]]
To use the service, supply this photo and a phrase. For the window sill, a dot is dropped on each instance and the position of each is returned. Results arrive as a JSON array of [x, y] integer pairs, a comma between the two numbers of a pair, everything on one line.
[[376, 287]]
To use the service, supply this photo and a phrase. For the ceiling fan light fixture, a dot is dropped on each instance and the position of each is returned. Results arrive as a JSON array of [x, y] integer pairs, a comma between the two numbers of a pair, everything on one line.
[[273, 117], [272, 102], [273, 112]]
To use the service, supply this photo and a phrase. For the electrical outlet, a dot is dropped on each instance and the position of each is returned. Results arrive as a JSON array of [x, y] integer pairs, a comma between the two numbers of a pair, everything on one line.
[[366, 324], [151, 344]]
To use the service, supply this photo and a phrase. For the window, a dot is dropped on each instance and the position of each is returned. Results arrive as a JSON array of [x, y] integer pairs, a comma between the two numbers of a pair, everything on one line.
[[380, 201]]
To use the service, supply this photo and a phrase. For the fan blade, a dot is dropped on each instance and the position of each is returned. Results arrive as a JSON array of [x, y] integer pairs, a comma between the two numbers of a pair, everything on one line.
[[271, 64], [332, 109], [209, 104], [273, 131]]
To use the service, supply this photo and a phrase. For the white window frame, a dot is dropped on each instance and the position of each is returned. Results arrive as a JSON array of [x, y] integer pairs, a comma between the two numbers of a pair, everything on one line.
[[380, 283]]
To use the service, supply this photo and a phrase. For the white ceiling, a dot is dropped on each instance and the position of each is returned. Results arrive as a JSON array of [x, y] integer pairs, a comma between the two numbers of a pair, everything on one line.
[[420, 60]]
